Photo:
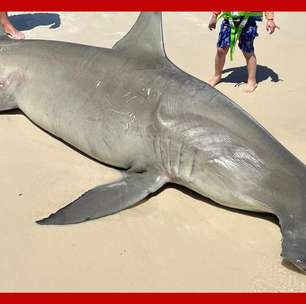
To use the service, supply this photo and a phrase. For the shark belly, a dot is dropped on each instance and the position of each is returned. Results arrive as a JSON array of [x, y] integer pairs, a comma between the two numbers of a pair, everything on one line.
[[80, 110], [97, 110]]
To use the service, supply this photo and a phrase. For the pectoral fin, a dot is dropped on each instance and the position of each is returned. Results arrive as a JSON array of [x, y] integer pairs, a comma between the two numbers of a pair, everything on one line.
[[107, 199]]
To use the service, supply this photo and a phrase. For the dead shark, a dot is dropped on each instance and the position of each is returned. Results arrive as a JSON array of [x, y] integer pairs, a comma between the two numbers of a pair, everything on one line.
[[130, 107]]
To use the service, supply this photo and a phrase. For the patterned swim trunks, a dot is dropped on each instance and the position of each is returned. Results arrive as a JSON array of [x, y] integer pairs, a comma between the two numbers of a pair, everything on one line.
[[246, 41]]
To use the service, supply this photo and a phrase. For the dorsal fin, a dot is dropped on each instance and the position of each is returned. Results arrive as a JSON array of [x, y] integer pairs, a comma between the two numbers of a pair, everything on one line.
[[144, 38]]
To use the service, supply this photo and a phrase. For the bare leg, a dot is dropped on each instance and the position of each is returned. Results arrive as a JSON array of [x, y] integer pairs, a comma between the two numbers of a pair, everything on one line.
[[9, 28], [219, 65], [251, 66]]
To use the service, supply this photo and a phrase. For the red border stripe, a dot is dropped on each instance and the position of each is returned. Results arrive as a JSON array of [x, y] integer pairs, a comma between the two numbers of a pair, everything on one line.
[[154, 5], [148, 298]]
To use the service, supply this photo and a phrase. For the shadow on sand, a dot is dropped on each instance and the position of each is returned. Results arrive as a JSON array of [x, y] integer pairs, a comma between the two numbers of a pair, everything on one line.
[[25, 22], [239, 74]]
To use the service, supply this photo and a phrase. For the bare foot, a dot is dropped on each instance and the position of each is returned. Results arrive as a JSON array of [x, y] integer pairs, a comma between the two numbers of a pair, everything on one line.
[[13, 33], [214, 81], [250, 87]]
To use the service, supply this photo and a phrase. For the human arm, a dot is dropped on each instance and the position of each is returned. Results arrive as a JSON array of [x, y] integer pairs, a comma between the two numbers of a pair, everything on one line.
[[213, 20], [270, 24]]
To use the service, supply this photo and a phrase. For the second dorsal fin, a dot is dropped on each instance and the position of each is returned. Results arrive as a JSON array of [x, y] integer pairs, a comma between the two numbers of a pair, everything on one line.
[[145, 37]]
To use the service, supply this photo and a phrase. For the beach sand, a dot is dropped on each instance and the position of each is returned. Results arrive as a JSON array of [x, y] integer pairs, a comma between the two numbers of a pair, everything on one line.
[[175, 241]]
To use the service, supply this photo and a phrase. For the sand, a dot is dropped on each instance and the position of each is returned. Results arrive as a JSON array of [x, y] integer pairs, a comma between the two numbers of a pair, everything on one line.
[[176, 241]]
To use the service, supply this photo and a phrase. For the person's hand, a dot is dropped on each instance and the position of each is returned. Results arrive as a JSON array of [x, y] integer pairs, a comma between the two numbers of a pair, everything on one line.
[[212, 22], [271, 26]]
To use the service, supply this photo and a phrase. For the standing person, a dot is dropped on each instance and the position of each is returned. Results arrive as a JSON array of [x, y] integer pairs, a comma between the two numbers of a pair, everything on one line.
[[239, 26], [9, 28]]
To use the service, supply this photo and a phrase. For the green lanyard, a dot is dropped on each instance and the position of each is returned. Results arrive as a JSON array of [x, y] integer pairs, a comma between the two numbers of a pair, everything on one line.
[[236, 31]]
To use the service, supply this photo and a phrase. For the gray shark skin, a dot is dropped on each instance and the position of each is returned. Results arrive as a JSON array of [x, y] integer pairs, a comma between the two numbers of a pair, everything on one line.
[[130, 107]]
